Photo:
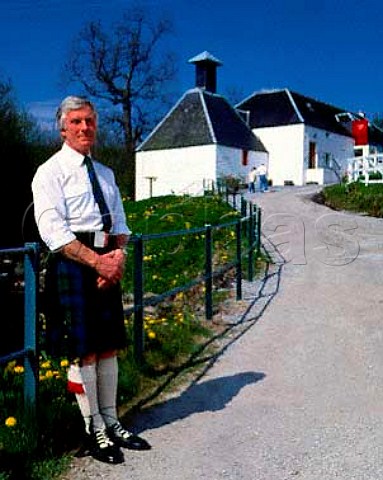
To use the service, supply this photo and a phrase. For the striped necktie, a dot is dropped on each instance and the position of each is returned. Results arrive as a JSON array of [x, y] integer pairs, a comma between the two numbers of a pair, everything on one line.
[[98, 195]]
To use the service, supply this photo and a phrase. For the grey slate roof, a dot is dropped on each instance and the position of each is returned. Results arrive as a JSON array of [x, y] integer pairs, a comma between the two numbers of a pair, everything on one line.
[[285, 107], [202, 118], [205, 56]]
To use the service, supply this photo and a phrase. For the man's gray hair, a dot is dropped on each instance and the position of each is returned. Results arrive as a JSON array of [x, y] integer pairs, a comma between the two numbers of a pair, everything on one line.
[[71, 103]]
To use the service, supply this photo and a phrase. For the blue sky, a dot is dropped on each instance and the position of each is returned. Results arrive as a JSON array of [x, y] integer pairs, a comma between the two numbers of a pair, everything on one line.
[[329, 49]]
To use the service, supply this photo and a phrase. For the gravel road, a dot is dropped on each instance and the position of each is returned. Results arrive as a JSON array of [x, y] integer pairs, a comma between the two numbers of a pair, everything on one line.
[[297, 391]]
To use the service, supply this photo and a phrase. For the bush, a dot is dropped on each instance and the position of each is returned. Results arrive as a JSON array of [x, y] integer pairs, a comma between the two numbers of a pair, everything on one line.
[[355, 197]]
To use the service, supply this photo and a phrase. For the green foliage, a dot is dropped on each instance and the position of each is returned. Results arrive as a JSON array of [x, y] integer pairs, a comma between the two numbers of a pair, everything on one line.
[[16, 166], [34, 447], [355, 197], [173, 261]]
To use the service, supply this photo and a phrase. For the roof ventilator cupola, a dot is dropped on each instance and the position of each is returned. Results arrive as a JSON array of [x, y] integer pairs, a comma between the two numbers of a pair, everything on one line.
[[206, 71]]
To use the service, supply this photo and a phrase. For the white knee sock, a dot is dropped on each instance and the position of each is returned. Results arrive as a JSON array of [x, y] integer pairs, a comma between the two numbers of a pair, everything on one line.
[[107, 375], [89, 378]]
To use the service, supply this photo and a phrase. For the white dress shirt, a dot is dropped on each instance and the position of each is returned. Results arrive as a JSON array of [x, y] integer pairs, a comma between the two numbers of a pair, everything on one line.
[[64, 202]]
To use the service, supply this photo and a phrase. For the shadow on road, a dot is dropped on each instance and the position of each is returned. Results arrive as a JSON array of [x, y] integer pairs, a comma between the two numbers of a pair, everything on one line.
[[211, 395]]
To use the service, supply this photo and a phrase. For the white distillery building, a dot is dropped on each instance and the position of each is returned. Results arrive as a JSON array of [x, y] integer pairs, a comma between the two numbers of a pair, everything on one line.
[[307, 140], [201, 140]]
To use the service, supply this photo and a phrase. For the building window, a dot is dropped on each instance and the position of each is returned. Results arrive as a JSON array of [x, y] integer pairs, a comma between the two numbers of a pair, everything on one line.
[[245, 158], [358, 152]]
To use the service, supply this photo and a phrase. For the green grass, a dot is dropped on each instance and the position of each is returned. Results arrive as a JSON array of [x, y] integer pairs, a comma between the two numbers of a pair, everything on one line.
[[173, 261], [355, 197], [173, 331]]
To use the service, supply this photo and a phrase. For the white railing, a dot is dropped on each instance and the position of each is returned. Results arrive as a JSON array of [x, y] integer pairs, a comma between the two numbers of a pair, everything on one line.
[[365, 166]]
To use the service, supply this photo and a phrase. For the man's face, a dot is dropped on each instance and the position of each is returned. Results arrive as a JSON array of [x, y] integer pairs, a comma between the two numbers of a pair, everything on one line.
[[79, 130]]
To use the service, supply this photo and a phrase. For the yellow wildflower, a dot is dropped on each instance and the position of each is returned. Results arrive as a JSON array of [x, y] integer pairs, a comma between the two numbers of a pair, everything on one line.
[[151, 334], [10, 422], [19, 369], [46, 364], [64, 363]]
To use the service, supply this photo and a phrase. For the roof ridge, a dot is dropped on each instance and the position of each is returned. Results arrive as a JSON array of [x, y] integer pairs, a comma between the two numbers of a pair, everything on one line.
[[207, 115], [295, 107]]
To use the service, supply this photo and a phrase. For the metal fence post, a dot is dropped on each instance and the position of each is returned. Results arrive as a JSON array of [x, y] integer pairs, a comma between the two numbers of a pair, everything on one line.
[[208, 274], [239, 259], [243, 206], [138, 325], [250, 265], [258, 230], [31, 271]]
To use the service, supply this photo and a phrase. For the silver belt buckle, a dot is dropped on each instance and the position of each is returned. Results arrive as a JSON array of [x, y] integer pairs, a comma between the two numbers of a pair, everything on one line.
[[100, 239]]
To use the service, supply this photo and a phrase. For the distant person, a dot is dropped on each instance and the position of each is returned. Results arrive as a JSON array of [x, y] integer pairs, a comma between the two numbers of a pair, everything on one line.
[[262, 174], [251, 179], [85, 229]]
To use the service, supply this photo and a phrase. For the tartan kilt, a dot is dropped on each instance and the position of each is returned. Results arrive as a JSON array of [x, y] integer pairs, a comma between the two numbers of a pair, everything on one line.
[[81, 319]]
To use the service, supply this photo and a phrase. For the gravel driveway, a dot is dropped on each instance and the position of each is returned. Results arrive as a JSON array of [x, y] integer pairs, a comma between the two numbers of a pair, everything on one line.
[[297, 391]]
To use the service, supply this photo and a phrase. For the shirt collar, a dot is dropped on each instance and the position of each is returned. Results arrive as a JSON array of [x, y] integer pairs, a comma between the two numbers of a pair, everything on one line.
[[74, 155]]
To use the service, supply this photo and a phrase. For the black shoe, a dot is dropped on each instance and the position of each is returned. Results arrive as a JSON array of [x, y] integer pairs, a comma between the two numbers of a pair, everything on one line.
[[102, 448], [123, 438]]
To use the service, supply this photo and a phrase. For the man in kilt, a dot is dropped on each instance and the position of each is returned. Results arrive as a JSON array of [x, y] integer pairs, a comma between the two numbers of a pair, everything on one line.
[[86, 236]]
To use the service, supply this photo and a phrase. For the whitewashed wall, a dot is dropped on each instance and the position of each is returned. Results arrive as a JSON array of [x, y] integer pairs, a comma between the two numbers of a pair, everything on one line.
[[178, 171], [338, 148], [285, 147], [229, 162], [186, 170], [288, 148]]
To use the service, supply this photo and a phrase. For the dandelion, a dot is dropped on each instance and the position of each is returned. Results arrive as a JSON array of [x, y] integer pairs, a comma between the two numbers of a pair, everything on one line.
[[64, 363], [151, 334], [10, 422]]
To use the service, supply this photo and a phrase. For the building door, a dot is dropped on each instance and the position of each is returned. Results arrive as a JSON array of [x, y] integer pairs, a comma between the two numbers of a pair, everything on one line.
[[312, 155]]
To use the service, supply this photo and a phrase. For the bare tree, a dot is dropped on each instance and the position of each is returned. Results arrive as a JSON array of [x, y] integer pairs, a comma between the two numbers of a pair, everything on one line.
[[128, 69]]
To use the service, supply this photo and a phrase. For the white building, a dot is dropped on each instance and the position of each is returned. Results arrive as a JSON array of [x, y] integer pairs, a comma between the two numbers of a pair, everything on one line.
[[307, 140], [202, 139]]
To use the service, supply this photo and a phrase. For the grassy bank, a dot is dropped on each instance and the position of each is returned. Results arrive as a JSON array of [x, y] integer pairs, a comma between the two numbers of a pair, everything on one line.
[[355, 197]]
